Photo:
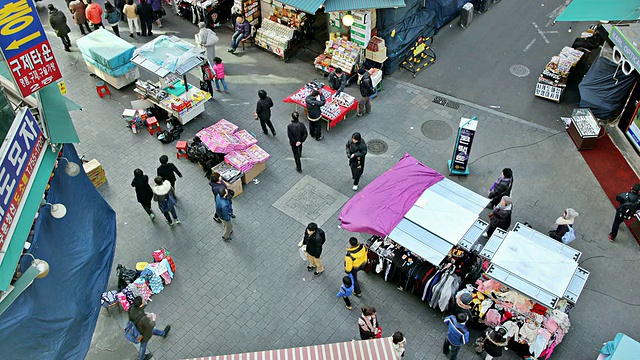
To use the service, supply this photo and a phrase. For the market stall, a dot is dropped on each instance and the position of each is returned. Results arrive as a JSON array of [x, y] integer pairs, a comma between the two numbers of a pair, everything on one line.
[[553, 79], [109, 57], [281, 30], [169, 57], [339, 53], [336, 107], [532, 283]]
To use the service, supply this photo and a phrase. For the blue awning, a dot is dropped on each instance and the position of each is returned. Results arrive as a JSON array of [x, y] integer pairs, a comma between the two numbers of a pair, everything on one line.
[[596, 10], [308, 6], [347, 5]]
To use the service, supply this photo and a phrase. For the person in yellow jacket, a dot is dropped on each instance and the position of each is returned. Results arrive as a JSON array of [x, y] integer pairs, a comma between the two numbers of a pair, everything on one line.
[[354, 260]]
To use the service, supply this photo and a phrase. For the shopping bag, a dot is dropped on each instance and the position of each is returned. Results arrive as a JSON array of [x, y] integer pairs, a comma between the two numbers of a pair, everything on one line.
[[379, 333], [303, 252]]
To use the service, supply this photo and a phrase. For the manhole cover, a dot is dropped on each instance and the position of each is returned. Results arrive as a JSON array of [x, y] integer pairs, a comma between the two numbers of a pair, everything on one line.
[[519, 70], [436, 130], [377, 146]]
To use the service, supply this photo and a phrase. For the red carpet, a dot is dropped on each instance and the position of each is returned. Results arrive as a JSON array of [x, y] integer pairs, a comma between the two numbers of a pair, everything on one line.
[[611, 170]]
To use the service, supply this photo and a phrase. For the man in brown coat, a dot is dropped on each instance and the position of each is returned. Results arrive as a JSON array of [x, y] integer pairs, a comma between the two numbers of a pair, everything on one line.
[[58, 23], [145, 325], [77, 8]]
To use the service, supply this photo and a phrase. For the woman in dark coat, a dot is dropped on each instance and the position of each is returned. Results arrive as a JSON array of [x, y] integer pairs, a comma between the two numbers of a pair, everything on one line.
[[494, 342], [500, 216], [356, 151], [144, 194]]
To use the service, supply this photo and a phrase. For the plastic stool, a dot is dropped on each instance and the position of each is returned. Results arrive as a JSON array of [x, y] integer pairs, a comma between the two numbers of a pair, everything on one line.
[[102, 89], [152, 125], [181, 149]]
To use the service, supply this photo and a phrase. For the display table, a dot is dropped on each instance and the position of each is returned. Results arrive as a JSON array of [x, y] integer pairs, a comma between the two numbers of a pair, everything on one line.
[[553, 79], [174, 99], [333, 112], [583, 129]]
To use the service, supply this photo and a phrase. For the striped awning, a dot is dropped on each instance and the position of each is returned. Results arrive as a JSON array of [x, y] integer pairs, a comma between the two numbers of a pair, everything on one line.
[[375, 349]]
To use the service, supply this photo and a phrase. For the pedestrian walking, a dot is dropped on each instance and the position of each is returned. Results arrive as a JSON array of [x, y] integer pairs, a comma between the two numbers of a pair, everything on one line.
[[501, 187], [564, 224], [493, 341], [158, 12], [58, 22], [168, 171], [263, 112], [207, 39], [77, 9], [218, 69], [499, 217], [119, 4], [337, 80], [146, 325], [399, 344], [216, 183], [346, 290], [356, 151], [224, 210], [354, 260], [112, 15], [457, 335], [145, 13], [297, 134], [315, 101], [366, 90], [629, 204], [144, 194], [132, 18], [207, 77], [166, 201], [314, 239], [242, 31], [368, 324], [93, 12]]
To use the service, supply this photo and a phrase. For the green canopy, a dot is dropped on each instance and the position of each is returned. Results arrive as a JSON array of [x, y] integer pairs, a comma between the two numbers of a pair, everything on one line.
[[605, 10]]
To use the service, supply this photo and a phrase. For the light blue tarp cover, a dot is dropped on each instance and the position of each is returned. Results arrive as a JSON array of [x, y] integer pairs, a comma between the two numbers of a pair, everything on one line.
[[115, 72], [170, 53], [55, 317], [106, 49]]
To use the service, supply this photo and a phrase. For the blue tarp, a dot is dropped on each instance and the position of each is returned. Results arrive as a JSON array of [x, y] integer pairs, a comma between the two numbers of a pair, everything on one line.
[[445, 10], [55, 317], [603, 90]]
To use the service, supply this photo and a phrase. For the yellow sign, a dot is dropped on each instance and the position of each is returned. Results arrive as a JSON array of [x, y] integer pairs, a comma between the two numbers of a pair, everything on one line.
[[63, 87], [420, 48]]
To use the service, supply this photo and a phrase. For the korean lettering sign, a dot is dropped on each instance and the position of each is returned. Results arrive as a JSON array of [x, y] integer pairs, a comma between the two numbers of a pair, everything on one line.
[[462, 148], [25, 46], [21, 152]]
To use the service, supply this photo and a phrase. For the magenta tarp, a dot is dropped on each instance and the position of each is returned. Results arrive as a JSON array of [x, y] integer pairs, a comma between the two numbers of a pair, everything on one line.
[[380, 206]]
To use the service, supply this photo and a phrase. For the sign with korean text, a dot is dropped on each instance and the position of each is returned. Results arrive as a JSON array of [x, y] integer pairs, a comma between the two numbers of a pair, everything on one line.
[[25, 46], [22, 151], [460, 160]]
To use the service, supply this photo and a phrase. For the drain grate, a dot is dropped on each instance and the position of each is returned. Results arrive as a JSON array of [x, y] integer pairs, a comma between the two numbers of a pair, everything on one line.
[[377, 146], [444, 102]]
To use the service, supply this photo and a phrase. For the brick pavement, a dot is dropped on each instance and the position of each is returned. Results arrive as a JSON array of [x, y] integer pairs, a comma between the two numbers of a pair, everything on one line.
[[254, 293]]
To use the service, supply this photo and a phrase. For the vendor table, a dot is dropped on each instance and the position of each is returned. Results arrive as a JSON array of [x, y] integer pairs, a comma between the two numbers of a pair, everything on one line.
[[176, 88], [331, 122]]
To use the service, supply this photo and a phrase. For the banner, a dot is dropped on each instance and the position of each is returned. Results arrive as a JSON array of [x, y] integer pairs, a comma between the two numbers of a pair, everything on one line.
[[459, 163], [21, 152], [25, 47]]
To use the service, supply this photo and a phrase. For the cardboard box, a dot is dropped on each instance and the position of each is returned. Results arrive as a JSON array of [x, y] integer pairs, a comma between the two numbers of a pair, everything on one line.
[[377, 56], [95, 172], [254, 172], [236, 186]]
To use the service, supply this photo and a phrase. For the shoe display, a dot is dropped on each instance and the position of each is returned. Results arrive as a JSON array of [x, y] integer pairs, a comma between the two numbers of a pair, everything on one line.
[[310, 268]]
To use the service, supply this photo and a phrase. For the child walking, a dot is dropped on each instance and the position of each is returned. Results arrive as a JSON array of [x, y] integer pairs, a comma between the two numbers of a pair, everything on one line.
[[346, 289], [218, 68]]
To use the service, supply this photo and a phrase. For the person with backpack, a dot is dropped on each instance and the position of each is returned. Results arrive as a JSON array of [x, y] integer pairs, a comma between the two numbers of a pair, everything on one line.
[[366, 90], [224, 211], [112, 15], [93, 13], [501, 187], [354, 260], [457, 335], [629, 203], [166, 201], [314, 240], [346, 290], [145, 325], [563, 226], [207, 77]]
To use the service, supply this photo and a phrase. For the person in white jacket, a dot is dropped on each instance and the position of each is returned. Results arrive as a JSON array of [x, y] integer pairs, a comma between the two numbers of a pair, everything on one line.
[[207, 39]]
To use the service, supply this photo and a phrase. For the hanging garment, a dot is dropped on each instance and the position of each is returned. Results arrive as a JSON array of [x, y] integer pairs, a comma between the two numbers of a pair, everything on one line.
[[435, 295], [144, 288], [155, 283], [429, 285], [549, 350], [134, 290], [537, 346], [122, 298], [492, 318], [528, 332], [485, 306], [512, 330], [448, 292], [561, 319]]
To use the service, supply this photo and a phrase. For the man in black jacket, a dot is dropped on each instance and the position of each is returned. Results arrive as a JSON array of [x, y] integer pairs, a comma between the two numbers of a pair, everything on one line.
[[629, 204], [146, 327], [166, 170], [337, 80], [366, 90], [297, 133], [263, 112], [145, 13], [314, 239], [315, 102], [501, 187], [356, 151]]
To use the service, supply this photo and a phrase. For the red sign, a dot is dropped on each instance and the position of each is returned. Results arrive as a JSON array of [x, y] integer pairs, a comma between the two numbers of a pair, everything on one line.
[[25, 46]]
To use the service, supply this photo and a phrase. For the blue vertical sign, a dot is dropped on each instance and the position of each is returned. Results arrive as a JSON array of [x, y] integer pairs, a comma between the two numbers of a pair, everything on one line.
[[459, 163]]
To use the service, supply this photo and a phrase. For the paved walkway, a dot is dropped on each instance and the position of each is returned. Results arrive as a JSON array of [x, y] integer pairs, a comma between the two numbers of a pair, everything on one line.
[[255, 293]]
